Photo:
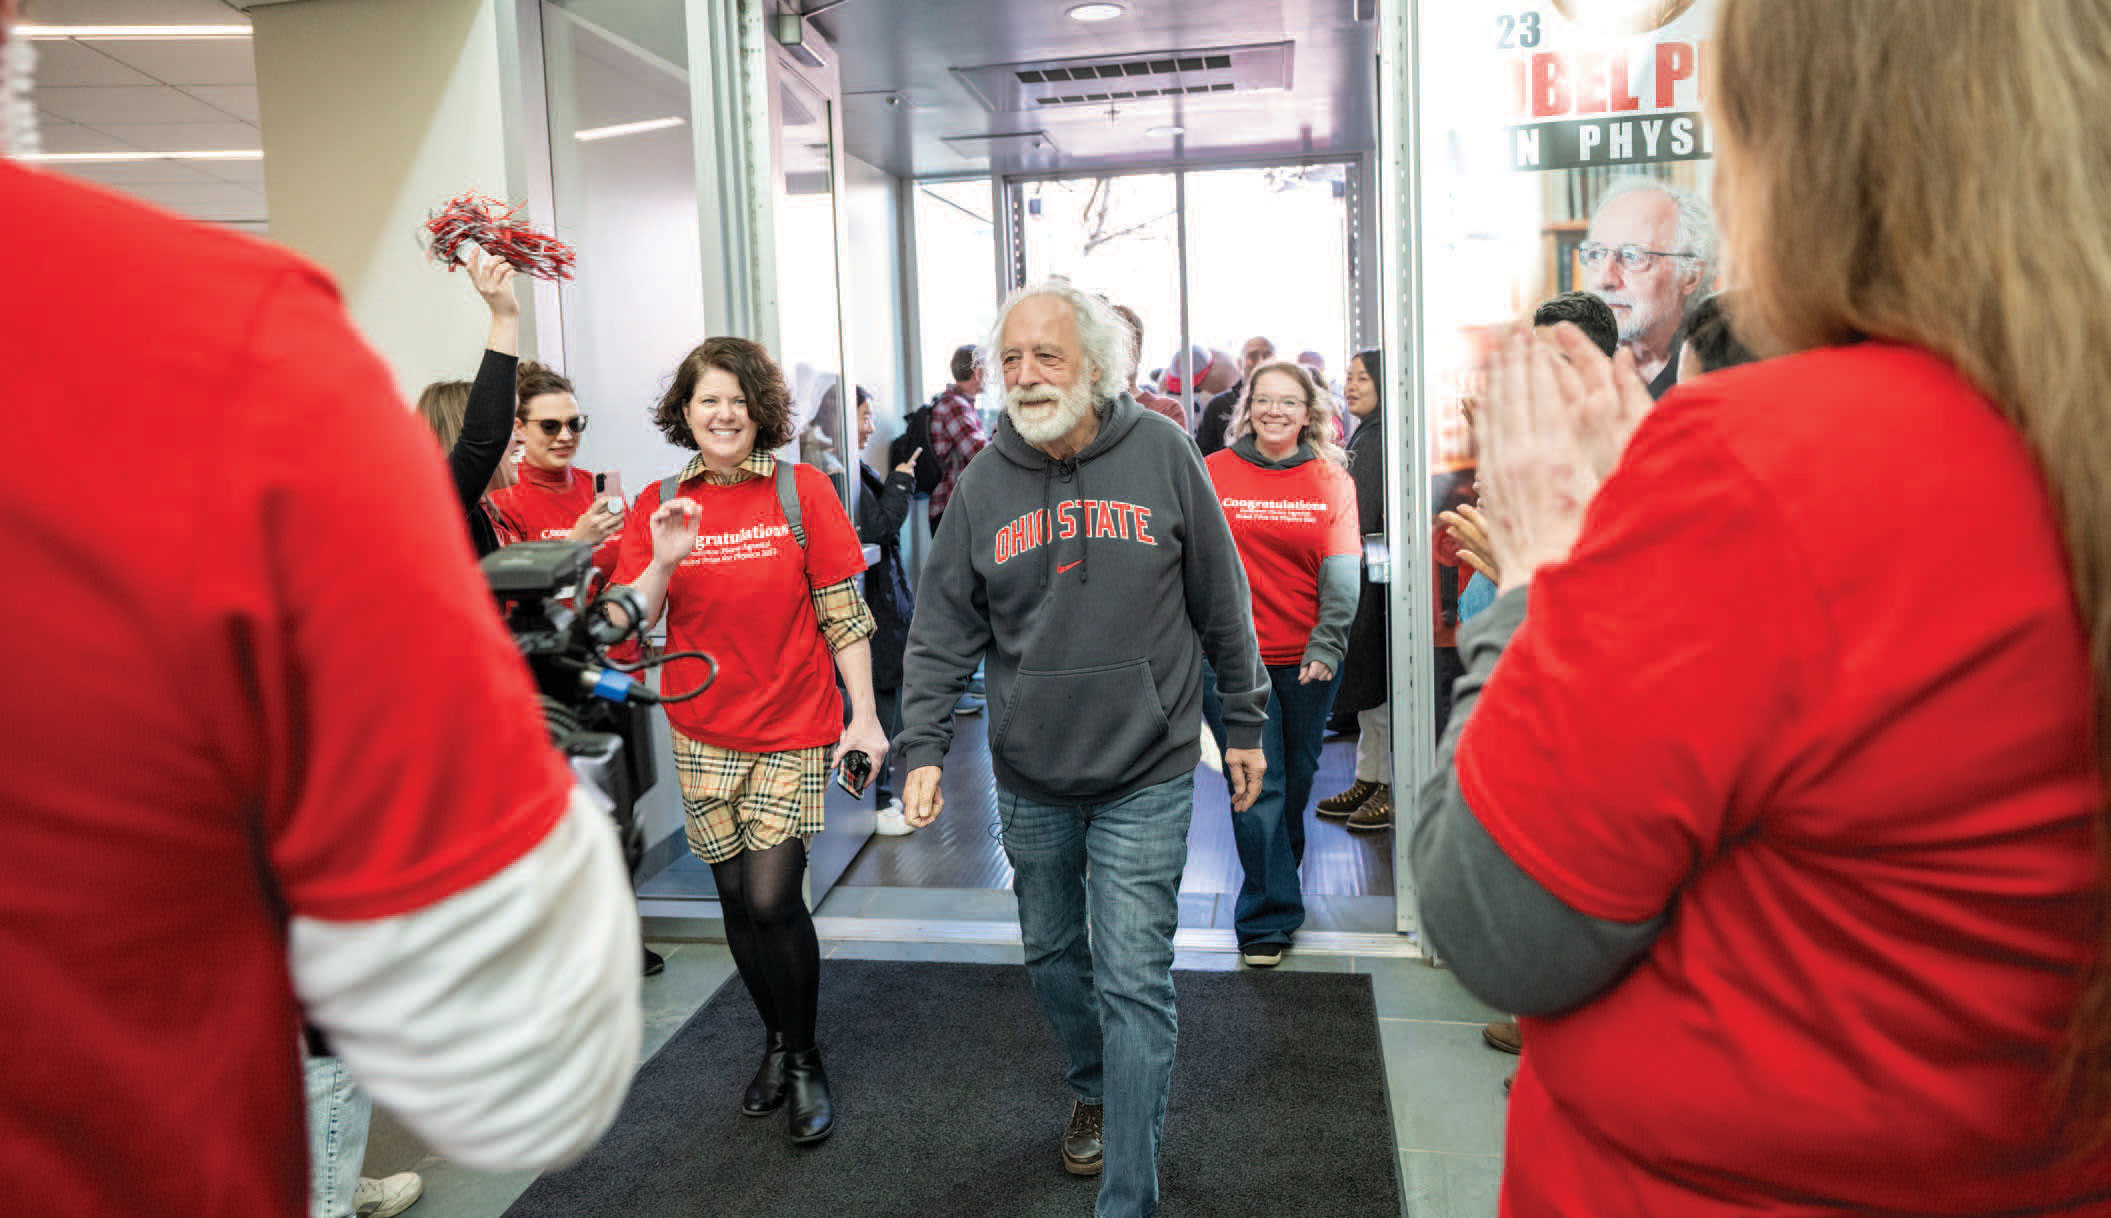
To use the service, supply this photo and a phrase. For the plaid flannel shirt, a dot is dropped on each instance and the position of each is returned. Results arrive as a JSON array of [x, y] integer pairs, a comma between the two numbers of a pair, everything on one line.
[[841, 609], [956, 436]]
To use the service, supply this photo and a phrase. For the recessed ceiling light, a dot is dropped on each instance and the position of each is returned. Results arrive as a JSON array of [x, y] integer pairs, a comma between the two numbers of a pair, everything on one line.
[[1096, 12], [112, 158], [148, 33], [650, 124], [1164, 132]]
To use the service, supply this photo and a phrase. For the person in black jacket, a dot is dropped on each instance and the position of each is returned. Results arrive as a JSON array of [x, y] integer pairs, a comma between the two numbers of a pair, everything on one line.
[[1365, 679], [883, 506], [476, 428]]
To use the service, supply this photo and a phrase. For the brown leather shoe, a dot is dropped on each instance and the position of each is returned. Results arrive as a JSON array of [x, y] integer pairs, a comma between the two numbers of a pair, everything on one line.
[[1081, 1148], [1504, 1034], [1343, 805], [1376, 812]]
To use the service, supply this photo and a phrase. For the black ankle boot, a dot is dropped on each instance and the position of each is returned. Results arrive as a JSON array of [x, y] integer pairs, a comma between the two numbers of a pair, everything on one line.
[[813, 1114], [767, 1091]]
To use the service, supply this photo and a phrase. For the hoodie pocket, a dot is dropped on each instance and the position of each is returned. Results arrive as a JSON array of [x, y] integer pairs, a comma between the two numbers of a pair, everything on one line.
[[1081, 731]]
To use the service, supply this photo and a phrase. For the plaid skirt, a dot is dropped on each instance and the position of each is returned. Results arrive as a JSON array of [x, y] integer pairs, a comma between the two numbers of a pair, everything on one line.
[[737, 801]]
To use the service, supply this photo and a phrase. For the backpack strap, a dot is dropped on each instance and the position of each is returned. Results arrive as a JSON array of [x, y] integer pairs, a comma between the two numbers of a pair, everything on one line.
[[787, 498]]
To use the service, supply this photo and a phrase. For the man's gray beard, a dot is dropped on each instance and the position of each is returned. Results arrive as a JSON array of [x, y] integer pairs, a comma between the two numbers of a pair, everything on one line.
[[18, 107], [1075, 403]]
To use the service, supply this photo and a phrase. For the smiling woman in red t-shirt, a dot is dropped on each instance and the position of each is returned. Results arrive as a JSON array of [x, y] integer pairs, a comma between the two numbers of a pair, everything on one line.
[[755, 749], [1292, 510]]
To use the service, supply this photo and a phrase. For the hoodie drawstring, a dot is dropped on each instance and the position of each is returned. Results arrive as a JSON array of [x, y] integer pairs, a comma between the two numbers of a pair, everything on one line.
[[1073, 471]]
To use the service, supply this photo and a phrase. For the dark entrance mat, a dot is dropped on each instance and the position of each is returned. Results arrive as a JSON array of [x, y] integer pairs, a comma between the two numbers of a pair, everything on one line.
[[950, 1101]]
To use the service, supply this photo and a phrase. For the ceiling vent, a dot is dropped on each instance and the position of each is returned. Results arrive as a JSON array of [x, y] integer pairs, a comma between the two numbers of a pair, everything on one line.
[[1015, 87]]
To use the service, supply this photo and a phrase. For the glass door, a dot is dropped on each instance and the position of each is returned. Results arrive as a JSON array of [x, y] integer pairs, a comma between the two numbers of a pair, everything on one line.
[[805, 333], [809, 294]]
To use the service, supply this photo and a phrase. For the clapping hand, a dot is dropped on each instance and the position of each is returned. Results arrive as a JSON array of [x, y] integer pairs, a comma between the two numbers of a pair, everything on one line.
[[1552, 426], [1470, 529]]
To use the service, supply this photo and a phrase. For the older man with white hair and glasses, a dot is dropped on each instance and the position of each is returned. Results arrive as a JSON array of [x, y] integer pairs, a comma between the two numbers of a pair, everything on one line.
[[1086, 556], [1649, 253]]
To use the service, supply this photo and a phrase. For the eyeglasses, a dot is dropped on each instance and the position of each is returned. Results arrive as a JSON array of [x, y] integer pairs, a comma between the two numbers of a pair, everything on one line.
[[1285, 403], [550, 427], [1632, 257]]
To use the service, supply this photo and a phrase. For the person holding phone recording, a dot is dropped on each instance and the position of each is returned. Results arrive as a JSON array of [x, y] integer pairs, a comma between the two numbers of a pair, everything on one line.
[[554, 498], [755, 562]]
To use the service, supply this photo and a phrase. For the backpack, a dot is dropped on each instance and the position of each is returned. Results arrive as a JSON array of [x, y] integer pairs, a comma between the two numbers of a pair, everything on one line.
[[916, 434], [787, 498]]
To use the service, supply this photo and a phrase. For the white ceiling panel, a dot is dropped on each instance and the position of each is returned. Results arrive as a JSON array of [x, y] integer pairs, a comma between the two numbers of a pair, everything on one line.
[[242, 173], [238, 100], [57, 136], [125, 105], [135, 12], [210, 62], [215, 196], [79, 63], [908, 104], [125, 175], [185, 137]]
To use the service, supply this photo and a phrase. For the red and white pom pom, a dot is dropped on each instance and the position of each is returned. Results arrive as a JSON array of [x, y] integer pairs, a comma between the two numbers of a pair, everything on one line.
[[499, 230]]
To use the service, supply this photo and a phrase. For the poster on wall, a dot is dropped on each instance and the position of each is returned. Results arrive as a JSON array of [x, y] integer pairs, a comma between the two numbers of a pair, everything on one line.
[[1563, 150]]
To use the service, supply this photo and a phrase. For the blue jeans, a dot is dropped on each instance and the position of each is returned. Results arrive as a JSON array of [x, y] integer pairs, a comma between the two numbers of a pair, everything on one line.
[[1098, 888], [338, 1112], [1270, 836]]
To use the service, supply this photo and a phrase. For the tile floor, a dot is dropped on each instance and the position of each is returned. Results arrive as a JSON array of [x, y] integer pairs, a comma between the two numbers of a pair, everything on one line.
[[1446, 1086]]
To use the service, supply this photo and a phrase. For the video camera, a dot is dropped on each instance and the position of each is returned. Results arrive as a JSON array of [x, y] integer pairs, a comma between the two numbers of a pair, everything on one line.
[[595, 711]]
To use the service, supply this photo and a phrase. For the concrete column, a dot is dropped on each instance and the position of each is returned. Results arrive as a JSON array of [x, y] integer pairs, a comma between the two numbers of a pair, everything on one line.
[[375, 112]]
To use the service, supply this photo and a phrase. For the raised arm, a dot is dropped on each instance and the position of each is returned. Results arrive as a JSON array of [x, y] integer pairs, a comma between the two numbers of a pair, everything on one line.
[[487, 424]]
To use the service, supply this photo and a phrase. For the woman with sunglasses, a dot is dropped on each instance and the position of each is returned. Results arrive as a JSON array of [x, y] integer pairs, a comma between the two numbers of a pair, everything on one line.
[[1292, 510], [754, 561], [554, 498]]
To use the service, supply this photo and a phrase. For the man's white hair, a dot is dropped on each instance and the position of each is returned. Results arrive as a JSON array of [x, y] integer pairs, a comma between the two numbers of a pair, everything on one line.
[[1103, 339], [1696, 220]]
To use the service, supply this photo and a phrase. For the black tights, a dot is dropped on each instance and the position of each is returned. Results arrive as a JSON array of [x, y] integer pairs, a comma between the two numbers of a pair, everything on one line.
[[772, 936]]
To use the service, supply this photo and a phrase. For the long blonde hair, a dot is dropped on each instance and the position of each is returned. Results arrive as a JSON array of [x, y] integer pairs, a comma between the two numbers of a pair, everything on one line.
[[1320, 411], [443, 405], [1942, 176]]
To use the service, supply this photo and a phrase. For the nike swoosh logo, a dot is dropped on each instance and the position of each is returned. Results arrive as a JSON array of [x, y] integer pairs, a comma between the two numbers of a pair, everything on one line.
[[1062, 567]]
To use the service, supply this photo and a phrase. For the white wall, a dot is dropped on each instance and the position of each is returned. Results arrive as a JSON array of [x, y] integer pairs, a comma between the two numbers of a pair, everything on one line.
[[628, 205], [376, 112]]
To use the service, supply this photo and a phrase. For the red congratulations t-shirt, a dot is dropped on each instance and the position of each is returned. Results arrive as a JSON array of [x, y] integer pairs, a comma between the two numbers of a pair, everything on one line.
[[233, 685], [545, 504], [1768, 695], [743, 595], [1285, 522]]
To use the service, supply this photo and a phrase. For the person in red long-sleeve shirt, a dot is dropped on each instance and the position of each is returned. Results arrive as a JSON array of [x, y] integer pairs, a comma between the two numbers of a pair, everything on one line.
[[555, 499]]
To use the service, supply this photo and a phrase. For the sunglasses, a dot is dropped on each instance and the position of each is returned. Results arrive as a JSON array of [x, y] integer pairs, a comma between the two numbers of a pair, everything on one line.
[[550, 427]]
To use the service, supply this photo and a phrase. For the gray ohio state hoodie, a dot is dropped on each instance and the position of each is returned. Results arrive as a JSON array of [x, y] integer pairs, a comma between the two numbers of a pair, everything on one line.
[[1095, 586]]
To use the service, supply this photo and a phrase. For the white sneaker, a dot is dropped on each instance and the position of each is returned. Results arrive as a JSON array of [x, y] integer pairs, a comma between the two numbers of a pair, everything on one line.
[[388, 1196], [892, 820]]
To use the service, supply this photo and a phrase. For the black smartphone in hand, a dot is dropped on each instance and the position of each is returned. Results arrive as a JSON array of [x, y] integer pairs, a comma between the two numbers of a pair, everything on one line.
[[854, 773]]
